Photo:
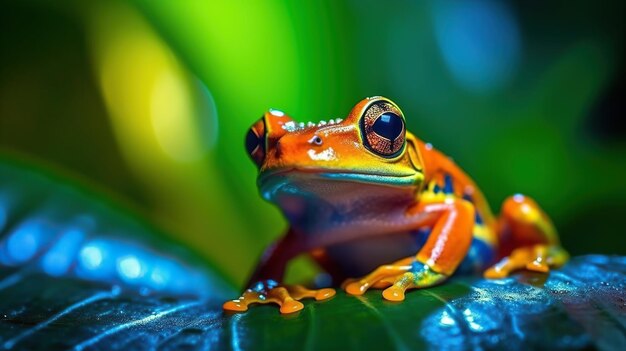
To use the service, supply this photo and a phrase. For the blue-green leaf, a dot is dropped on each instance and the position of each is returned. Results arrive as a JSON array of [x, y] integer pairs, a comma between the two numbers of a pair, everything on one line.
[[577, 307]]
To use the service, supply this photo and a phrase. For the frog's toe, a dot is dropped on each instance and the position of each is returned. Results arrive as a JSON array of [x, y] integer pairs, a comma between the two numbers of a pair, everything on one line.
[[287, 297], [235, 306], [384, 283], [381, 284], [241, 304], [291, 306], [283, 298], [324, 294], [501, 269], [396, 278], [396, 291], [538, 266], [347, 282], [538, 258], [356, 288], [300, 292], [378, 277]]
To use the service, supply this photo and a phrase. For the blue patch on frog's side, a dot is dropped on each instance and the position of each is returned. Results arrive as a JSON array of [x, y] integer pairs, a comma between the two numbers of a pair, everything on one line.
[[420, 236], [448, 188], [478, 219], [436, 189], [479, 257]]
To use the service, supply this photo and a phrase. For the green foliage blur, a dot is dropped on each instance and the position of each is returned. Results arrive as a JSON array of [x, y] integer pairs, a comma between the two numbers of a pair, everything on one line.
[[149, 101]]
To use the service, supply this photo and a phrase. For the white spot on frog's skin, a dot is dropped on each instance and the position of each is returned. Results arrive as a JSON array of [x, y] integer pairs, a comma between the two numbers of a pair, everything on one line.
[[326, 155], [276, 113], [428, 146], [292, 126], [336, 129]]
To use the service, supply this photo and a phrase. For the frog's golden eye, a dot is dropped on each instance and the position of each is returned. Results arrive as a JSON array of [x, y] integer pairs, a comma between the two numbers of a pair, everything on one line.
[[255, 142], [382, 126]]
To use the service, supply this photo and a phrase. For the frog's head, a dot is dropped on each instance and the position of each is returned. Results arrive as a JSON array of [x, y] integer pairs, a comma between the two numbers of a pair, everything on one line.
[[369, 147]]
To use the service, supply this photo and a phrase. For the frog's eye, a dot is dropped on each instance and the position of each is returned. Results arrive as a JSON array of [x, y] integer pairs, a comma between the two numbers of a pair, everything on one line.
[[382, 126], [255, 142]]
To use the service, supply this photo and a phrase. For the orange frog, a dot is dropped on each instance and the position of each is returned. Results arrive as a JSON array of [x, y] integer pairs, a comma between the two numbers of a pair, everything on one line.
[[364, 197]]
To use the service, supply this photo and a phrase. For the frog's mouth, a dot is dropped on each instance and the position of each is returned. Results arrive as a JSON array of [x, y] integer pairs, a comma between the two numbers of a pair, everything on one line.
[[318, 181], [382, 179]]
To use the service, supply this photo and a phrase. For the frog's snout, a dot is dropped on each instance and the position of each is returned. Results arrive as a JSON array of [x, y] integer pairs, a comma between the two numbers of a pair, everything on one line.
[[290, 148]]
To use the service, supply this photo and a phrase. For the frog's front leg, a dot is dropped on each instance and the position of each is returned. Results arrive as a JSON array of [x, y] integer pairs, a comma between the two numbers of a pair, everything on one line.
[[264, 286], [451, 236]]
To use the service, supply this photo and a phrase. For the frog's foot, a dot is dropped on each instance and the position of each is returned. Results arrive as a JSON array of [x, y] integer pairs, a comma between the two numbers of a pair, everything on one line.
[[286, 296], [396, 278], [538, 258]]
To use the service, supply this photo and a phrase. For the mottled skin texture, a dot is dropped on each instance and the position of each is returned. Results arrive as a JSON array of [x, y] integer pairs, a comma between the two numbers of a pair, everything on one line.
[[364, 197]]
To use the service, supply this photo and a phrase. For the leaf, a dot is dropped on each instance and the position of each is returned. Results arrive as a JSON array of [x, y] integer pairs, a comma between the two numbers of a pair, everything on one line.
[[579, 306], [53, 226]]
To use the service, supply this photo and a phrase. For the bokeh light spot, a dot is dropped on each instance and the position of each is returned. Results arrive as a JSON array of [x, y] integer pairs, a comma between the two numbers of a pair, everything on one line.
[[91, 257], [157, 107], [479, 41], [58, 259], [183, 115], [129, 267], [24, 242], [160, 276], [276, 113]]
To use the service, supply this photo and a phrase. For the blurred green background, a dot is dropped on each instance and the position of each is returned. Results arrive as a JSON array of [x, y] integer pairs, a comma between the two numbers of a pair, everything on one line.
[[149, 101]]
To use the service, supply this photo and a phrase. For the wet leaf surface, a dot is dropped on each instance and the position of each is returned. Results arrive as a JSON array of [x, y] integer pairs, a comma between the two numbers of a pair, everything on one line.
[[580, 306]]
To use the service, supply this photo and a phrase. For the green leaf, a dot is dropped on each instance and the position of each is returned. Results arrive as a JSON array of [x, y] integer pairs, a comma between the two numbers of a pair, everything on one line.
[[577, 307]]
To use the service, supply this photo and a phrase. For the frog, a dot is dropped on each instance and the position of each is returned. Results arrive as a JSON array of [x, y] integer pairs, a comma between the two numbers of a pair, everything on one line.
[[377, 208]]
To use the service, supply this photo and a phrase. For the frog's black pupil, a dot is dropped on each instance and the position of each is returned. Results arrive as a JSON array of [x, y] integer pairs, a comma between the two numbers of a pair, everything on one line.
[[252, 141], [388, 125]]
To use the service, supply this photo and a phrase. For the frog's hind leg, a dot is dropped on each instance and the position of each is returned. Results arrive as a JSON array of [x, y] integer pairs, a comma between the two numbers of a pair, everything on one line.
[[527, 239]]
